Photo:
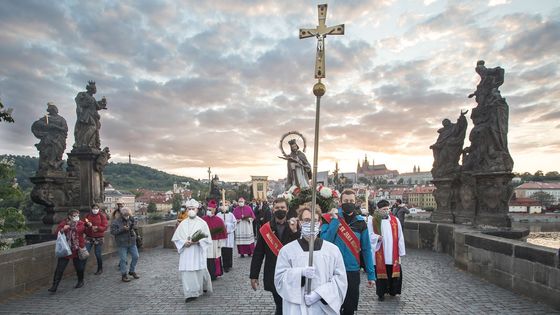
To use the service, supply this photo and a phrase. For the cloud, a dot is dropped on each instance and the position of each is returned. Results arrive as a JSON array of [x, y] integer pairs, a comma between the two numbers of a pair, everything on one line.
[[193, 84]]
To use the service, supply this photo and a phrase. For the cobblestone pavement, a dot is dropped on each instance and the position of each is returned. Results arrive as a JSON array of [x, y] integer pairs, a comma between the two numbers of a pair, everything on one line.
[[431, 286]]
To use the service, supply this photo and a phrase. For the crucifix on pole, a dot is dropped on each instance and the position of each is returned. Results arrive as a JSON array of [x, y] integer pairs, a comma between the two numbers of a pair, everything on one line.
[[209, 179], [319, 89]]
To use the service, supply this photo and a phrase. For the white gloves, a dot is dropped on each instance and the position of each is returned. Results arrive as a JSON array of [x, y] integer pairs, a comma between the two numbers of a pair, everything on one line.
[[309, 272], [311, 298]]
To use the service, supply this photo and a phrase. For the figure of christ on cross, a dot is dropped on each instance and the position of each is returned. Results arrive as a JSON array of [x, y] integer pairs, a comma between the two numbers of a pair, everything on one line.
[[321, 31]]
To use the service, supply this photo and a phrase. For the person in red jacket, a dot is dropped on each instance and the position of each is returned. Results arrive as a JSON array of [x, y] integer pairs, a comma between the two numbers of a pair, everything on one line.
[[96, 224], [73, 228]]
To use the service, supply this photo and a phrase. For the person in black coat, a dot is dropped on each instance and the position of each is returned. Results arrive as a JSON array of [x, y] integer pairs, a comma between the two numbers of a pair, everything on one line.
[[284, 231]]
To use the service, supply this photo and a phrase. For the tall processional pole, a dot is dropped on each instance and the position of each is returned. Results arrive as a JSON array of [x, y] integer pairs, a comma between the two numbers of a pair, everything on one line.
[[319, 89]]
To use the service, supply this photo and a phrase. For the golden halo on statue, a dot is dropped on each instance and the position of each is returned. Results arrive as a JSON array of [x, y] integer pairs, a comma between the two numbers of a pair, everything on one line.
[[289, 136]]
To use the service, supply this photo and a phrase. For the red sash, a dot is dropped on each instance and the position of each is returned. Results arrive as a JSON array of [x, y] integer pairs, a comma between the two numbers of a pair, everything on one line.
[[271, 239], [348, 236], [380, 267]]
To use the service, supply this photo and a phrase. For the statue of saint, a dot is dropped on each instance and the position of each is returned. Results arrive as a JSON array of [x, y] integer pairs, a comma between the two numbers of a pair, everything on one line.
[[489, 146], [52, 131], [215, 189], [449, 147], [86, 132], [299, 169]]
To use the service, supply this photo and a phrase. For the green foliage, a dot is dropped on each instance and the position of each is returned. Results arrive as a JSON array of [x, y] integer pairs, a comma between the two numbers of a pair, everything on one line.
[[126, 176], [544, 198], [152, 207], [304, 196], [11, 220], [177, 200], [24, 167], [5, 114]]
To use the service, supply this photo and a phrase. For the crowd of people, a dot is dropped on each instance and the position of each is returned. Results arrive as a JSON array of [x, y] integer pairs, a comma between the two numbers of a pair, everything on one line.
[[346, 241]]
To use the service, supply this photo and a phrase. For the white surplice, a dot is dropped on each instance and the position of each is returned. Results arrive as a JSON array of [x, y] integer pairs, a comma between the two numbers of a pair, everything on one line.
[[330, 284], [192, 259], [387, 240], [230, 223], [244, 232]]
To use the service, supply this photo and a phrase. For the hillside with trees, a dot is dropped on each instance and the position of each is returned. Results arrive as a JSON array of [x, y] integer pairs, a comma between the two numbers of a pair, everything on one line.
[[122, 176]]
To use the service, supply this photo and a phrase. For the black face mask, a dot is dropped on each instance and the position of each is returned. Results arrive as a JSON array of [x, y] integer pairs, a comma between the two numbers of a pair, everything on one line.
[[280, 214], [348, 208]]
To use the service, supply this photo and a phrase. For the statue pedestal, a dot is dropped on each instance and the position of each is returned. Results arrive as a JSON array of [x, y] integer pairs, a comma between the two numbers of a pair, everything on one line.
[[82, 166], [465, 193], [443, 195], [493, 191]]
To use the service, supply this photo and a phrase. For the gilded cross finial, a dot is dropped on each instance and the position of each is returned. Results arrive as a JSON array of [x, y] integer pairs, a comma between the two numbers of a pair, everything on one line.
[[321, 31]]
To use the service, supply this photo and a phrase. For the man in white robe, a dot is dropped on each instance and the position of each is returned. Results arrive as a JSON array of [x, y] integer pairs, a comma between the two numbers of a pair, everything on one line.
[[192, 259], [327, 275], [386, 250], [227, 247]]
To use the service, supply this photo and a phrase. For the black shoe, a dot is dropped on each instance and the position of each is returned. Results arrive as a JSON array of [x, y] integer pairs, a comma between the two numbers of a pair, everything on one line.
[[98, 272], [79, 284], [187, 300], [392, 294], [134, 275], [226, 269], [242, 256], [381, 298], [54, 286], [125, 278]]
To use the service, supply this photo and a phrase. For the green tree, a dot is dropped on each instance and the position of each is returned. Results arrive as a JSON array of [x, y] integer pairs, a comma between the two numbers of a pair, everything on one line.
[[400, 181], [539, 173], [177, 200], [5, 114], [544, 198], [152, 207], [11, 220]]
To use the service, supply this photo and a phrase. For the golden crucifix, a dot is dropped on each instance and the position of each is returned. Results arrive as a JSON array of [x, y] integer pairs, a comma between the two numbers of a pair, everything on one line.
[[319, 89], [321, 31]]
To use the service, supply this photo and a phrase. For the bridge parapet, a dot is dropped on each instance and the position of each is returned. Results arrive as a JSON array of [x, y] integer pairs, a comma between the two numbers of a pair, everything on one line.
[[513, 264]]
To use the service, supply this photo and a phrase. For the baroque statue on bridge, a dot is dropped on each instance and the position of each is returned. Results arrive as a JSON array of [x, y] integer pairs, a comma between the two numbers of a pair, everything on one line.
[[449, 147], [86, 132], [52, 131]]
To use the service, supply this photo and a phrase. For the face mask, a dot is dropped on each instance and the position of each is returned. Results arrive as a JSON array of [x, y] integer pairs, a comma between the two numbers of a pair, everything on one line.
[[383, 213], [126, 216], [280, 214], [192, 214], [306, 229], [75, 219], [241, 204], [209, 213], [348, 208], [95, 211]]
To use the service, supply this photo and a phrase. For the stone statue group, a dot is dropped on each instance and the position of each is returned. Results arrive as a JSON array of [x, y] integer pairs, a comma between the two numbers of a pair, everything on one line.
[[52, 130], [81, 184], [478, 190]]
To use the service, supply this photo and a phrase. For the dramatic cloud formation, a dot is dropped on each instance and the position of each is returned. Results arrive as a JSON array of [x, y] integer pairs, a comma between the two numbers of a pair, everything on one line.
[[192, 84]]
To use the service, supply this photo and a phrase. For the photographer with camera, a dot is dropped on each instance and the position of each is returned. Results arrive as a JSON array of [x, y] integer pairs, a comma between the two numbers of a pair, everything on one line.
[[125, 230]]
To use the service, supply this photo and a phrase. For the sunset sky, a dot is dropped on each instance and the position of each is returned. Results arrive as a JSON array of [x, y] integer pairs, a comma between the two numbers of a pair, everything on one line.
[[192, 84]]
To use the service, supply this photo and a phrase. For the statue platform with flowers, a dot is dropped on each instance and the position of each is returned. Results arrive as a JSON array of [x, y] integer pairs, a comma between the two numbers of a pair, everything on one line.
[[326, 198]]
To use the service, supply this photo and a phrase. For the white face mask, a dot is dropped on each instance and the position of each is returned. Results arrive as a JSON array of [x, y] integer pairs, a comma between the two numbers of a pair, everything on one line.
[[209, 213], [306, 229], [241, 204], [192, 214], [75, 219], [95, 211]]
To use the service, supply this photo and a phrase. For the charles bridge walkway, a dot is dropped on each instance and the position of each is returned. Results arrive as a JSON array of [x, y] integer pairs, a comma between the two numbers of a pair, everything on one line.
[[432, 285]]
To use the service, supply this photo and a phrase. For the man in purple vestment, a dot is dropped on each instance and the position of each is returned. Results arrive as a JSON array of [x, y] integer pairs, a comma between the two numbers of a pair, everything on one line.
[[244, 237]]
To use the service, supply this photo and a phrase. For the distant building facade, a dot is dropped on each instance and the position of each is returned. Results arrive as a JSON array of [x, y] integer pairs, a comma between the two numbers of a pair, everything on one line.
[[372, 171], [524, 205], [113, 196], [526, 190]]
